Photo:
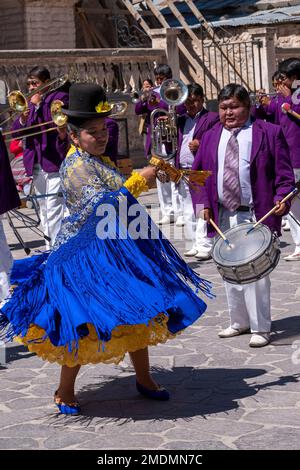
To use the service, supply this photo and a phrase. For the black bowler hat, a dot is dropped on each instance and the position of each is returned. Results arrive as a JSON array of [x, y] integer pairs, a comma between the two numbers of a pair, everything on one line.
[[87, 101]]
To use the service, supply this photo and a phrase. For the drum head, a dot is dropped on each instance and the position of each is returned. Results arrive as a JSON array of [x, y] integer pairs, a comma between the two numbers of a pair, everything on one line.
[[243, 248]]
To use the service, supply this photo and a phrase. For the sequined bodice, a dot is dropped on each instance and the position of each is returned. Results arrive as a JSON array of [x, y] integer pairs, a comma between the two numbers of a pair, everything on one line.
[[84, 176]]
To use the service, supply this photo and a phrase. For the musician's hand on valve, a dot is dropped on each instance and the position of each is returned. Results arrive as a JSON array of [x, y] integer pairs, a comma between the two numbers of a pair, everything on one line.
[[162, 176], [162, 118], [281, 208]]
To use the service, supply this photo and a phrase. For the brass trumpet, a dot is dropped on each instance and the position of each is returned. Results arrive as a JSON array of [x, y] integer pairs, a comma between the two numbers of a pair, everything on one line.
[[256, 96], [118, 108], [141, 95], [18, 102]]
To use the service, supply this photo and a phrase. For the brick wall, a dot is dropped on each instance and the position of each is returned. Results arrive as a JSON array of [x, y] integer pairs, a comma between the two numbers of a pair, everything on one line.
[[49, 28], [12, 34]]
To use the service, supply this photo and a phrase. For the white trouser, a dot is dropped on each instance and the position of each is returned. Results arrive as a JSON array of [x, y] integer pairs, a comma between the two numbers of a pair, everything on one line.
[[168, 197], [6, 262], [195, 231], [249, 304], [52, 207], [295, 209]]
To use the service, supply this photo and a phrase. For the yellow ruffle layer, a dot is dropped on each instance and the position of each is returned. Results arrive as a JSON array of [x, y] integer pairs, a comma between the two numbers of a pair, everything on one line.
[[125, 338], [136, 184]]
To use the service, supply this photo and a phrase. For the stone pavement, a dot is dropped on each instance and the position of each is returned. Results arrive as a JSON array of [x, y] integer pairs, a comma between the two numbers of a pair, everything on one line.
[[225, 395]]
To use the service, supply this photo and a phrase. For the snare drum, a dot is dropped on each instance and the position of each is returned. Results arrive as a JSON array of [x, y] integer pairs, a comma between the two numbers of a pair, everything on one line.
[[249, 257]]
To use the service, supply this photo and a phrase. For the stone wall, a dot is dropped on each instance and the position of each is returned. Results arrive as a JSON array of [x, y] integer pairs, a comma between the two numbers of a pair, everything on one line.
[[12, 31], [31, 24], [50, 28], [118, 70]]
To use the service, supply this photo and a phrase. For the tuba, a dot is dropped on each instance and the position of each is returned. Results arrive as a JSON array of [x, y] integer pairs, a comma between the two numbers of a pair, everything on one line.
[[164, 131]]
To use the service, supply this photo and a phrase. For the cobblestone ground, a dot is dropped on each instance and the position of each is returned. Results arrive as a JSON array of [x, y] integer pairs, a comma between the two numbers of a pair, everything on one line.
[[225, 395]]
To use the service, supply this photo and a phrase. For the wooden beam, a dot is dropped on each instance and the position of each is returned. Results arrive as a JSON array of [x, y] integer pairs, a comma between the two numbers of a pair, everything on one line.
[[137, 17], [201, 18], [197, 41]]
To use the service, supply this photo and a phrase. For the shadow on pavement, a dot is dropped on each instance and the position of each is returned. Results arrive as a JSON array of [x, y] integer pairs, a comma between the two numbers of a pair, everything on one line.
[[194, 392], [288, 327], [16, 351]]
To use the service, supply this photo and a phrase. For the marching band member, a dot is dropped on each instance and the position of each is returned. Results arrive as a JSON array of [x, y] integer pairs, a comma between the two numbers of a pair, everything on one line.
[[9, 200], [191, 127], [111, 150], [41, 158], [290, 125], [168, 197], [252, 172], [102, 291]]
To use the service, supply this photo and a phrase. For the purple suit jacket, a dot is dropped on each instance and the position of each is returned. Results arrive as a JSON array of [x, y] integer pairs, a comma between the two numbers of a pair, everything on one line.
[[111, 149], [290, 126], [271, 172], [9, 198], [205, 121], [143, 107], [42, 148]]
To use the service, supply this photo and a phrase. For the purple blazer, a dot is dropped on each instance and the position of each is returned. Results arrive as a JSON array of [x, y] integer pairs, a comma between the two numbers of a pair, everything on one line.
[[290, 126], [9, 198], [205, 121], [111, 149], [271, 172], [42, 148], [145, 108]]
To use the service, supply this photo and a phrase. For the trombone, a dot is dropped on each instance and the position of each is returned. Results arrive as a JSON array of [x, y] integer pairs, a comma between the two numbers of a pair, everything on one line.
[[60, 119], [18, 102]]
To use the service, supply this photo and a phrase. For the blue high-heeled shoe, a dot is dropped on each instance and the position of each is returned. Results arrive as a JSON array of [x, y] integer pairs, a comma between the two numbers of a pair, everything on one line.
[[66, 408], [161, 394]]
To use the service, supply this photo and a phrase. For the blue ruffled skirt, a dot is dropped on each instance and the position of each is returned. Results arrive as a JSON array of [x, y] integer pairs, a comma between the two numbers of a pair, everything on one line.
[[93, 299]]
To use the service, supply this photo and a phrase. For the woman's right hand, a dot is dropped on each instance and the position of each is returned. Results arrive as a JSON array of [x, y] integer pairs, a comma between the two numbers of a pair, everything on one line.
[[149, 173]]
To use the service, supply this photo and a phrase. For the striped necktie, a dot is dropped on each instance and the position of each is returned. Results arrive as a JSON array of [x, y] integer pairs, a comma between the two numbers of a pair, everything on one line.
[[231, 180]]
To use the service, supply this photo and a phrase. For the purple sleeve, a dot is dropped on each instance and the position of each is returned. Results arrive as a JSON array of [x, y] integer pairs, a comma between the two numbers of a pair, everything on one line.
[[200, 196], [111, 149], [141, 107], [62, 147], [284, 175]]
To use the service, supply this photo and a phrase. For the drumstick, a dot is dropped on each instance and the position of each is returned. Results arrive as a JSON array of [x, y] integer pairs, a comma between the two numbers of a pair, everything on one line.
[[219, 231], [291, 194]]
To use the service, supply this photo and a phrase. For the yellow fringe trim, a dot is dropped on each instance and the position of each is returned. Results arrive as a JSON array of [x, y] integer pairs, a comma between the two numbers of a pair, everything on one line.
[[136, 184], [125, 338]]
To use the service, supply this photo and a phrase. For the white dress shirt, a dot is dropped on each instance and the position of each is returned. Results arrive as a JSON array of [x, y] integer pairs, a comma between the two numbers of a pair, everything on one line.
[[186, 157], [244, 138]]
